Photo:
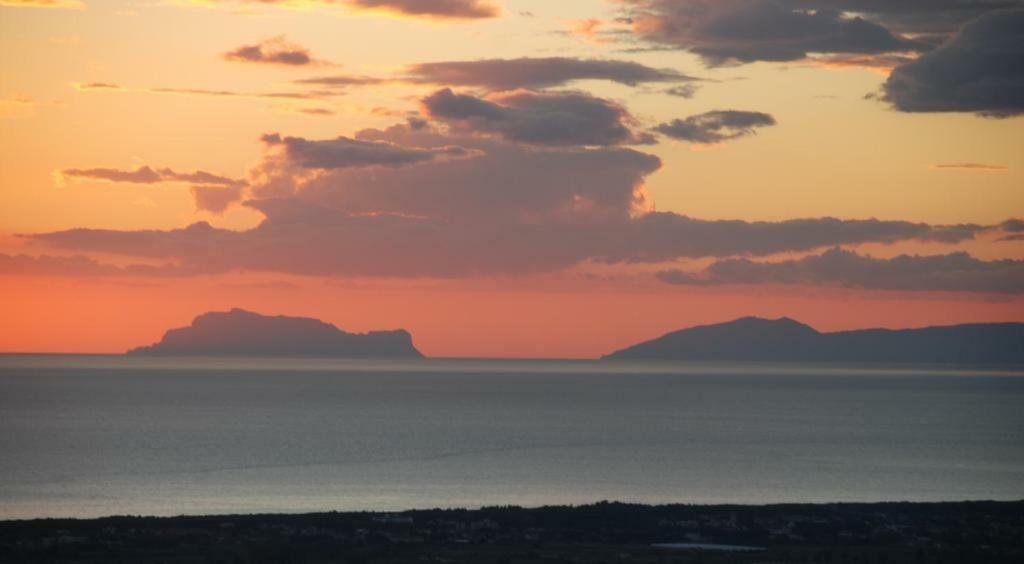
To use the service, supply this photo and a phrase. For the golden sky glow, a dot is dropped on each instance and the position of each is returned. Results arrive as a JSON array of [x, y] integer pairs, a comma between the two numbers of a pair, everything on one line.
[[119, 86]]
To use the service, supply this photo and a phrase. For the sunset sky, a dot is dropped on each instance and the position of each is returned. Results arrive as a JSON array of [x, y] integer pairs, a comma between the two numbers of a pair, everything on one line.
[[509, 178]]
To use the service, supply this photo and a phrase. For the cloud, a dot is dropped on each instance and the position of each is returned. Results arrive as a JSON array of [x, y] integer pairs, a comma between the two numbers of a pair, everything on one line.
[[57, 4], [510, 209], [147, 175], [1013, 230], [298, 237], [982, 167], [77, 266], [536, 118], [95, 86], [444, 9], [341, 81], [513, 74], [99, 87], [683, 91], [744, 31], [955, 272], [21, 107], [276, 51], [882, 63], [716, 126], [210, 192], [345, 152], [589, 30], [1013, 225], [981, 69], [234, 94], [430, 9], [503, 181], [535, 73], [921, 18], [216, 199]]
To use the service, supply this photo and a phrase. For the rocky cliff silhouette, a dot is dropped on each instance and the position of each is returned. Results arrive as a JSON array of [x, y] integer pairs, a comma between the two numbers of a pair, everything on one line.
[[243, 333]]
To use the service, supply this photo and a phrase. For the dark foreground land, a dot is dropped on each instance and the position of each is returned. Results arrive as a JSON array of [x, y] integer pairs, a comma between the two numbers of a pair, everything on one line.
[[896, 533]]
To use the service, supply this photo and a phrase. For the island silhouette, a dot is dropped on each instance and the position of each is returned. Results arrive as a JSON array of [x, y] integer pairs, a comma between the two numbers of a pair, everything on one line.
[[243, 333], [787, 340]]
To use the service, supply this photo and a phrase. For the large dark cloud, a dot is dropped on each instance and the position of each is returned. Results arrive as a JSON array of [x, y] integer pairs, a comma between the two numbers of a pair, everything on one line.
[[716, 126], [534, 73], [298, 237], [743, 31], [931, 19], [276, 51], [981, 69], [537, 118], [955, 272], [78, 266], [510, 209]]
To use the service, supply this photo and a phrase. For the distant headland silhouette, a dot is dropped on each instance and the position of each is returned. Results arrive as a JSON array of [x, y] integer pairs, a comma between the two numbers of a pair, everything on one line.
[[786, 340], [244, 333]]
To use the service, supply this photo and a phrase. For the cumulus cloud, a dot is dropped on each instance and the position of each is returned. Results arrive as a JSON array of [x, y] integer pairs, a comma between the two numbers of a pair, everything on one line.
[[510, 209], [955, 272], [276, 51], [981, 69], [535, 73], [744, 31], [503, 180], [716, 126], [537, 118]]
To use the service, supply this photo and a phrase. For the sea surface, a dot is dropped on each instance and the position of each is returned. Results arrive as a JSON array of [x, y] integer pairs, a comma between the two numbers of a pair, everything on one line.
[[85, 436]]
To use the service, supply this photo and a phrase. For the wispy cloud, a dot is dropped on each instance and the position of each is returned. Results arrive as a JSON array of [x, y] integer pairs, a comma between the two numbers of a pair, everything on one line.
[[54, 4], [465, 10], [20, 107], [980, 167], [954, 272], [210, 192]]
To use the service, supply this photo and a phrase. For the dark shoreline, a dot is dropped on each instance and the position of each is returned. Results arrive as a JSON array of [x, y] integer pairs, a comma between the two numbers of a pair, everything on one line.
[[967, 532]]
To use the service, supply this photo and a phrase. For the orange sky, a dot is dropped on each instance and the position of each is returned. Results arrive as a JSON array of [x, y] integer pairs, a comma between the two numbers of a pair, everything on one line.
[[118, 86]]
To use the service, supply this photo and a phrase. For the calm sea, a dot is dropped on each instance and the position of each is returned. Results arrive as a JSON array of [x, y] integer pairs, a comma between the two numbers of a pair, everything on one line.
[[93, 436]]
